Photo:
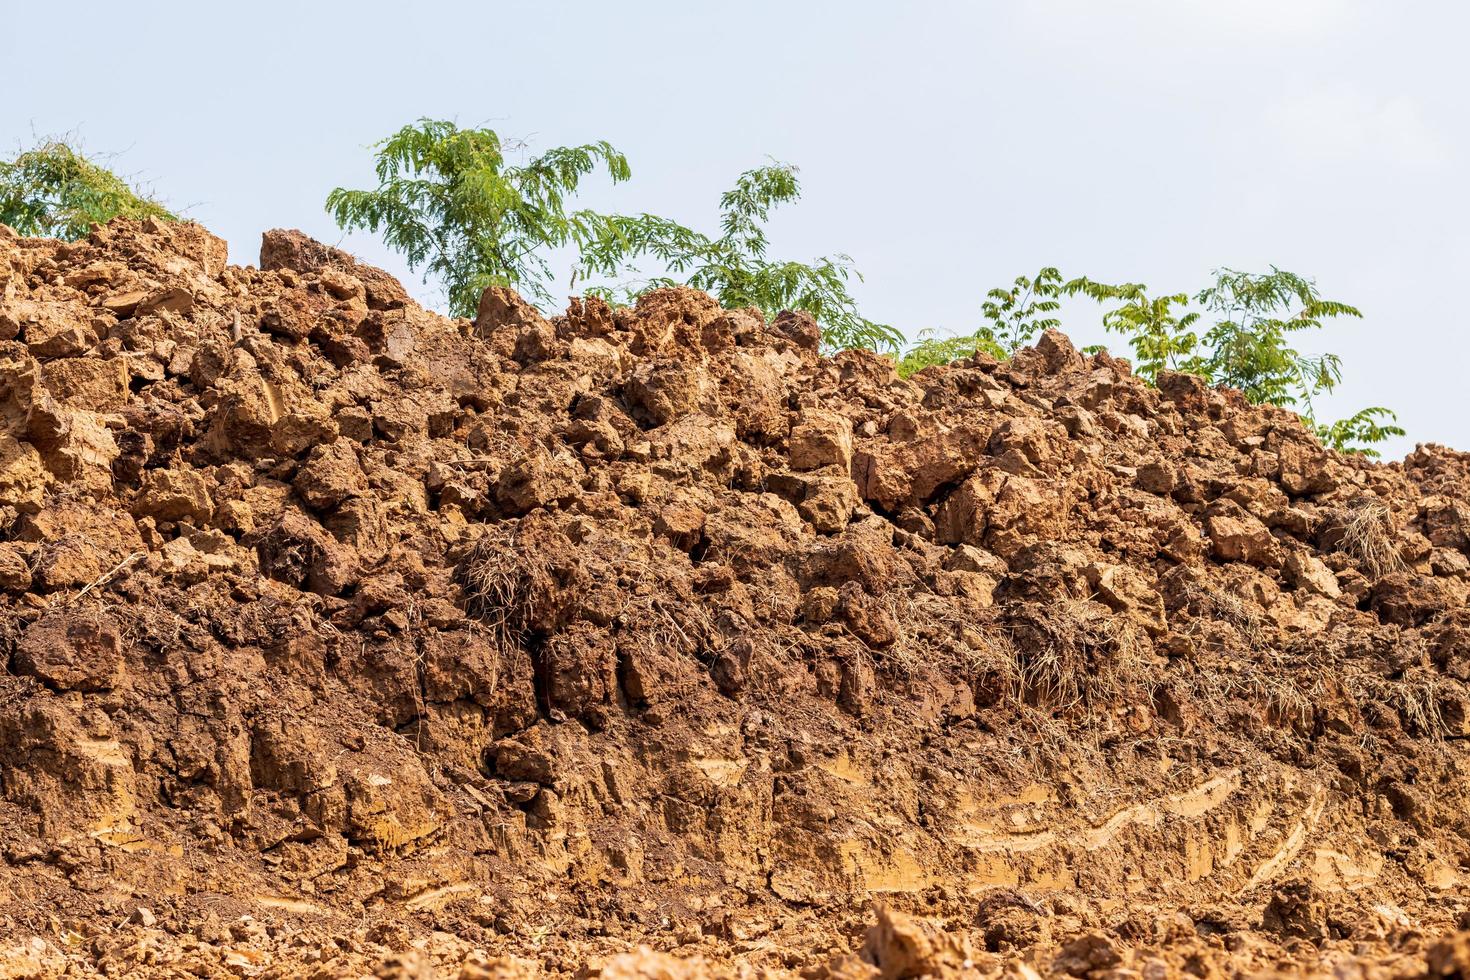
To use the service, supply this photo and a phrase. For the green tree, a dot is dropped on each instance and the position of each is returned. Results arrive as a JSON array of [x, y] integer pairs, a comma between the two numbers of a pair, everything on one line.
[[54, 191], [1249, 346], [1161, 335], [734, 267], [451, 203], [1018, 314]]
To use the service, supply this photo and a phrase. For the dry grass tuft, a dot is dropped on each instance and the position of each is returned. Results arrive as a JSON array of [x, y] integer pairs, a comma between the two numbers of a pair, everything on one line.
[[683, 627], [1076, 655], [1369, 535], [936, 633], [771, 605], [994, 655], [497, 576], [1218, 605], [1417, 697], [1285, 692], [905, 655], [1416, 694]]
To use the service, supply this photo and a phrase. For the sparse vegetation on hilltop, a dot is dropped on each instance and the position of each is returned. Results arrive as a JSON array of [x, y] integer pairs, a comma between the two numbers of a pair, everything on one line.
[[55, 191], [1246, 347], [458, 209], [449, 200]]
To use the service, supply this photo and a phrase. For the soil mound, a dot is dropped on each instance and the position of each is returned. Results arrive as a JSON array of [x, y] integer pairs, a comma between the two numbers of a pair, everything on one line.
[[342, 637]]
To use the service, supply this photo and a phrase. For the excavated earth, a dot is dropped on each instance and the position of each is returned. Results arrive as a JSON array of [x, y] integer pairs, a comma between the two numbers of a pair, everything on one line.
[[340, 638]]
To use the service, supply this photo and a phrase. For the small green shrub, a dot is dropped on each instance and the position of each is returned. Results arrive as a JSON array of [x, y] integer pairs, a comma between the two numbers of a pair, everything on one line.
[[54, 191]]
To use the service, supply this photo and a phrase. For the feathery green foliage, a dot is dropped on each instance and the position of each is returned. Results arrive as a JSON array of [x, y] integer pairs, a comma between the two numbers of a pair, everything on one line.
[[1358, 433], [54, 191], [1162, 337], [1018, 314], [1249, 342], [1014, 316], [932, 350], [451, 203], [1248, 346], [734, 268]]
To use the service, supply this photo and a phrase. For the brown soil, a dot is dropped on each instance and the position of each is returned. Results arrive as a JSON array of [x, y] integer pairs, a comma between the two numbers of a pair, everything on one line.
[[340, 637]]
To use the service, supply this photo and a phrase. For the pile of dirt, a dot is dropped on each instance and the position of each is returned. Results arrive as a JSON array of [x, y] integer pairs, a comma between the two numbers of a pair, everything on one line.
[[344, 637]]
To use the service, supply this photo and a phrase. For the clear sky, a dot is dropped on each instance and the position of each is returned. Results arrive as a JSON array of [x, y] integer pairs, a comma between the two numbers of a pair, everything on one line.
[[945, 146]]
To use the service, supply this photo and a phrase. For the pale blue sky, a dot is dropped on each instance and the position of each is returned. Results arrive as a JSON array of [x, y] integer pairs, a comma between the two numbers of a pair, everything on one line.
[[945, 146]]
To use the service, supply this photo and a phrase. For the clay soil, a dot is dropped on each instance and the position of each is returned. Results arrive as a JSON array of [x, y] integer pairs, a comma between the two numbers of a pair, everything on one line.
[[339, 638]]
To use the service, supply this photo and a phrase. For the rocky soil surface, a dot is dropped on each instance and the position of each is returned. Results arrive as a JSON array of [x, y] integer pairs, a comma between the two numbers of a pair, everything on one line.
[[340, 638]]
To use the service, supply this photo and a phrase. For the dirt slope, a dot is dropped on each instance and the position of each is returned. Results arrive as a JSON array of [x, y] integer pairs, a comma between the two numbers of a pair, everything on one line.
[[340, 636]]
